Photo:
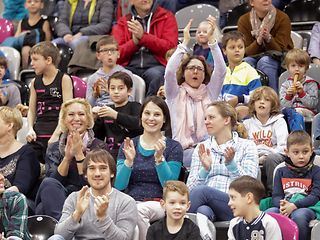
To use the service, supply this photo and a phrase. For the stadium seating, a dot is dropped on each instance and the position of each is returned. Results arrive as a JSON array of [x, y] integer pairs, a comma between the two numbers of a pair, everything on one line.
[[41, 226], [193, 218], [303, 14], [234, 15], [13, 57], [289, 228], [198, 12]]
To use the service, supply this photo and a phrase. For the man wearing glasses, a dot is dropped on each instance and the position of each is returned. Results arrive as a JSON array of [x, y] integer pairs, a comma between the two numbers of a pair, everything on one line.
[[108, 53]]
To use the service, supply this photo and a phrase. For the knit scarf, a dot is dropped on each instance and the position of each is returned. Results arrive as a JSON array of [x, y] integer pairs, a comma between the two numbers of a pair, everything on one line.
[[74, 4], [190, 114], [87, 140], [268, 21], [300, 171]]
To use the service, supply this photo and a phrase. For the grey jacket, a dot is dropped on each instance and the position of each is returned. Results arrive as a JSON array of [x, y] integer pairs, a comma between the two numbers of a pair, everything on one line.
[[119, 224], [100, 23], [309, 99]]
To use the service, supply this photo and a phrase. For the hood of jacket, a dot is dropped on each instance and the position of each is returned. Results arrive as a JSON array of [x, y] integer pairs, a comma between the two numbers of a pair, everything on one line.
[[270, 121], [133, 11]]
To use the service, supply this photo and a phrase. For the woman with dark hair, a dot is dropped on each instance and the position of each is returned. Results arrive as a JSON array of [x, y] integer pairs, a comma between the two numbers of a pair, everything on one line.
[[146, 162], [190, 88], [64, 158], [216, 162]]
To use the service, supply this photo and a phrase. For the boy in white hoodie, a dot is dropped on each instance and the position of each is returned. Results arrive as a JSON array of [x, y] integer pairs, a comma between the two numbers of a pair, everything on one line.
[[268, 129], [107, 51]]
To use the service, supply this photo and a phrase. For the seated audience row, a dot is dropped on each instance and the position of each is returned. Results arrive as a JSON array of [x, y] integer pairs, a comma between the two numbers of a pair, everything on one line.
[[214, 114]]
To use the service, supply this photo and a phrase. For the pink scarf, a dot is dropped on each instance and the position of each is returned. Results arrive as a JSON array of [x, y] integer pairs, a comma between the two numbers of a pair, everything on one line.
[[190, 114]]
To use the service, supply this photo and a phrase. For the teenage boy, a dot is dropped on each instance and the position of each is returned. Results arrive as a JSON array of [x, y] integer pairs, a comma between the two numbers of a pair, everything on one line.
[[174, 225], [107, 51], [9, 92], [99, 211], [13, 214], [241, 79], [296, 185], [245, 194]]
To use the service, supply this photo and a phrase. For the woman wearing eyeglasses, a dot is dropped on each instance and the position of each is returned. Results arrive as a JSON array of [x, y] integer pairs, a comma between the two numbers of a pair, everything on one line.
[[190, 88]]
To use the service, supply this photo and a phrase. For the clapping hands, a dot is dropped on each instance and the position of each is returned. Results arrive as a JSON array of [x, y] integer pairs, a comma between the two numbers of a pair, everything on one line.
[[205, 157], [129, 151]]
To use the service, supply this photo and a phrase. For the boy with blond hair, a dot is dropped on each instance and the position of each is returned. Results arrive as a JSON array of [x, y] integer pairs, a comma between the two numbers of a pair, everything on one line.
[[174, 225], [299, 90], [245, 194]]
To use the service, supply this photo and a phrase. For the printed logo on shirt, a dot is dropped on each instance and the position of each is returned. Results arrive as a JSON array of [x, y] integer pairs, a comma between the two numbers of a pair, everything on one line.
[[263, 137], [55, 93], [296, 185], [257, 235]]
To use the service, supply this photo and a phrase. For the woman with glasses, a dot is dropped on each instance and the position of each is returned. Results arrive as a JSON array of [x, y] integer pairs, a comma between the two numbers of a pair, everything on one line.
[[80, 19], [190, 88]]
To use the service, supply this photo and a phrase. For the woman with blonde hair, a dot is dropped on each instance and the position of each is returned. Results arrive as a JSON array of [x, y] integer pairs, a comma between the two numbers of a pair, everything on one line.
[[64, 158], [216, 162], [18, 163]]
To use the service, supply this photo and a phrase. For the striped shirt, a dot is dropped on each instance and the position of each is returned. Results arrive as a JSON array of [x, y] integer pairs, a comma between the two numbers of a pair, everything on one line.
[[221, 174], [242, 81]]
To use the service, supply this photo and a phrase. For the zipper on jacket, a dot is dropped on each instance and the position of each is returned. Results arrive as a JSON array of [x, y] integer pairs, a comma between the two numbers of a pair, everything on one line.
[[141, 57]]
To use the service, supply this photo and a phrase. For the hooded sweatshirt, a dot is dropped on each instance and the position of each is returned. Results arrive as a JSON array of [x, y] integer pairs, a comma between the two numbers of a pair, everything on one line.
[[270, 137]]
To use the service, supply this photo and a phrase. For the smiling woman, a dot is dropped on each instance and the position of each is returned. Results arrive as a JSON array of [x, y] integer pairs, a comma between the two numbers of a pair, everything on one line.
[[64, 159], [146, 162]]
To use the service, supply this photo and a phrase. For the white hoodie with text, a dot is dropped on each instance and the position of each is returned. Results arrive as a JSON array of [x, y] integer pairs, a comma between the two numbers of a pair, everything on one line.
[[270, 137]]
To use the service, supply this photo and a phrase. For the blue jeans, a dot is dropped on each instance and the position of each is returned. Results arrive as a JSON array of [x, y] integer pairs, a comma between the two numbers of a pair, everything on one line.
[[153, 76], [210, 202], [50, 198], [72, 44], [269, 66], [302, 217]]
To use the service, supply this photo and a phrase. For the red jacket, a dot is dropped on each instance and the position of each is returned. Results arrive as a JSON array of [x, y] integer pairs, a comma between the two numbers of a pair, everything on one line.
[[162, 37]]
